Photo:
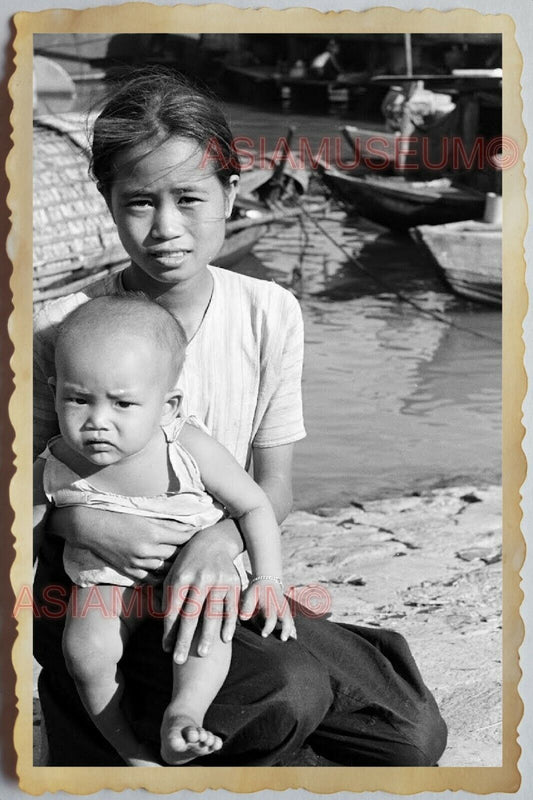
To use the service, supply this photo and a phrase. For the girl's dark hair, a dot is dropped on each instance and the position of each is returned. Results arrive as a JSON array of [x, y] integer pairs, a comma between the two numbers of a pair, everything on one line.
[[155, 103]]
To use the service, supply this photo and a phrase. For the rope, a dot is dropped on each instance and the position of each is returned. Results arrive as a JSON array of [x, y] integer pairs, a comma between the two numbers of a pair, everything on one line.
[[298, 272], [388, 288]]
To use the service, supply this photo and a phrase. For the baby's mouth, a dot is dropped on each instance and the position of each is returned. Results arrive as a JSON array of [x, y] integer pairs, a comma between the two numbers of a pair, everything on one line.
[[98, 444]]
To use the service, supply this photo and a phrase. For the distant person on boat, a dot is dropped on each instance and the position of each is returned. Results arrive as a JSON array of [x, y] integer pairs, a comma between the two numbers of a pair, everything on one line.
[[351, 695], [326, 65], [298, 70]]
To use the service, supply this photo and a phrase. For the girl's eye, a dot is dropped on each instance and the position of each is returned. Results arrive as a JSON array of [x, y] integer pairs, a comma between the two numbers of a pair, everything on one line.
[[188, 200]]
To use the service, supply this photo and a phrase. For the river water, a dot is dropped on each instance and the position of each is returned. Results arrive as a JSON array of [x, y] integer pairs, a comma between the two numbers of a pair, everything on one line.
[[394, 400]]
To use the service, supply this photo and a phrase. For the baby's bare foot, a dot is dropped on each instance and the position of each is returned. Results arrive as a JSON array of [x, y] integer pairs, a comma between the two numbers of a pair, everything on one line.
[[182, 739]]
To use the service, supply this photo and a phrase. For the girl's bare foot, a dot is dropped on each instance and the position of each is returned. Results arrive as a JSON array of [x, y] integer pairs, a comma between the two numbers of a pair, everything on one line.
[[182, 739], [140, 756], [143, 762]]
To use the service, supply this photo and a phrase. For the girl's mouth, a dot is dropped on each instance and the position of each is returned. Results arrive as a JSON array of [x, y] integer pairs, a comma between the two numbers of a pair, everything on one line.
[[170, 258]]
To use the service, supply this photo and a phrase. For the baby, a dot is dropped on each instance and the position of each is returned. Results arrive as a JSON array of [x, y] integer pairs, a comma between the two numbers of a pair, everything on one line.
[[124, 448]]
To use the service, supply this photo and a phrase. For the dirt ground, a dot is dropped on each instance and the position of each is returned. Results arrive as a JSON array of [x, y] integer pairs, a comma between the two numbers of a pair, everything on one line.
[[428, 566]]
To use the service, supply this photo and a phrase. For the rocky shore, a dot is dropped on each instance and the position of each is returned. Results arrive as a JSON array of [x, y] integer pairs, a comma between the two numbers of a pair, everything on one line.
[[428, 566]]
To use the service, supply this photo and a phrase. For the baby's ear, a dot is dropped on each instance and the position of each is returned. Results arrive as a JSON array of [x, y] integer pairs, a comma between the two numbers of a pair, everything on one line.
[[52, 384], [171, 406]]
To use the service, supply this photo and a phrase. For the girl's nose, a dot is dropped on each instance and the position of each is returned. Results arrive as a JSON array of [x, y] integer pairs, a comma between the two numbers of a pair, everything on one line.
[[167, 222]]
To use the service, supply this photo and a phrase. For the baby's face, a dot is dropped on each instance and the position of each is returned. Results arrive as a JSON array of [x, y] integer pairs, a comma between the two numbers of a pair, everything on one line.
[[110, 398]]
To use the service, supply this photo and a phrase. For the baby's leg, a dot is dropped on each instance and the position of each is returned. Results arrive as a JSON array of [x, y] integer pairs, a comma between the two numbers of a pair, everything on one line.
[[93, 644], [196, 684]]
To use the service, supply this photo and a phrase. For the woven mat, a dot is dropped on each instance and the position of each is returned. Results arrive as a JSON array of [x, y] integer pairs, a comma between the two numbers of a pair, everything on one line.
[[74, 238]]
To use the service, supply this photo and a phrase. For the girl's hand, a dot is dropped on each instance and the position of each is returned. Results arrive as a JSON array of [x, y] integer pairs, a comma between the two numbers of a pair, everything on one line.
[[202, 585], [265, 597], [138, 547]]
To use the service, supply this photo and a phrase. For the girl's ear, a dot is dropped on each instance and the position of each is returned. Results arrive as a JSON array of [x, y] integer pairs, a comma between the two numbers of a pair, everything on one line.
[[171, 406], [231, 193]]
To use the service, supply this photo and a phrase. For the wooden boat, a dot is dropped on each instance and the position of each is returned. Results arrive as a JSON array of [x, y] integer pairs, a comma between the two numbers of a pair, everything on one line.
[[244, 231], [75, 241], [469, 253], [400, 204], [441, 122]]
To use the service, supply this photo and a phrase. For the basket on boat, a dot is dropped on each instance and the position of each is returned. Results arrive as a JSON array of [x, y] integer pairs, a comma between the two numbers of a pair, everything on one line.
[[74, 237]]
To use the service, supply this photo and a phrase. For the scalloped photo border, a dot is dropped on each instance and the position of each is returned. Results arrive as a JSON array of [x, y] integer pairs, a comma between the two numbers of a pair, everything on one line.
[[148, 18]]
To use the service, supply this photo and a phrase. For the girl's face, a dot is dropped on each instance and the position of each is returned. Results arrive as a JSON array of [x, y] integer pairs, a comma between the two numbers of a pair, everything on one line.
[[170, 210]]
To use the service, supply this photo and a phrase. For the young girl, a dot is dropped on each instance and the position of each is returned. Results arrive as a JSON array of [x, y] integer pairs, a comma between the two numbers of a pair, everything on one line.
[[117, 365], [352, 694]]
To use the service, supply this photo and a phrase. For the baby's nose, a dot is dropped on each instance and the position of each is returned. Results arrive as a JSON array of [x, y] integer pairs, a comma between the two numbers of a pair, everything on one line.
[[98, 418]]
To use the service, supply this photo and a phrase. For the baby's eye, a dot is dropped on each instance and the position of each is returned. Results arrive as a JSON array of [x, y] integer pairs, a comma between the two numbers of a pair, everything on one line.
[[124, 403], [138, 202], [79, 401]]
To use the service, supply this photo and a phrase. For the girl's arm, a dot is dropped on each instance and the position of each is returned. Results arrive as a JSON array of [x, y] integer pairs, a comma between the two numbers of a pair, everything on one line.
[[135, 546], [273, 473], [44, 416], [41, 507], [225, 479], [206, 561]]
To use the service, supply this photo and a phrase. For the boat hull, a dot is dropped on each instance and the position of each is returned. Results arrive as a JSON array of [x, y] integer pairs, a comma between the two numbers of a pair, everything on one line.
[[469, 254], [373, 149], [239, 244], [399, 204]]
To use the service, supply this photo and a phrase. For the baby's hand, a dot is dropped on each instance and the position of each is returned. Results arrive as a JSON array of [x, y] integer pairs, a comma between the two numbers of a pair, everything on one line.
[[265, 597]]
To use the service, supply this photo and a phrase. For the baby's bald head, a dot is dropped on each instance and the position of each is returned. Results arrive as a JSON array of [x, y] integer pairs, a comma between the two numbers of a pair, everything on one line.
[[130, 316]]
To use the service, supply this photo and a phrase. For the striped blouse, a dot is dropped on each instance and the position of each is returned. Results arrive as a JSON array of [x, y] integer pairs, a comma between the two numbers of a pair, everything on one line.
[[242, 372]]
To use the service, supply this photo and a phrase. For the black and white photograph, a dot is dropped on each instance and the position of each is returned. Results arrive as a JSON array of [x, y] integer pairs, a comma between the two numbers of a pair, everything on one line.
[[277, 540]]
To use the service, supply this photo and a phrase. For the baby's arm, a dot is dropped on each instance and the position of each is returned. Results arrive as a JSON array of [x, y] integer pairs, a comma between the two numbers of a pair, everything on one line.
[[41, 506], [229, 483]]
